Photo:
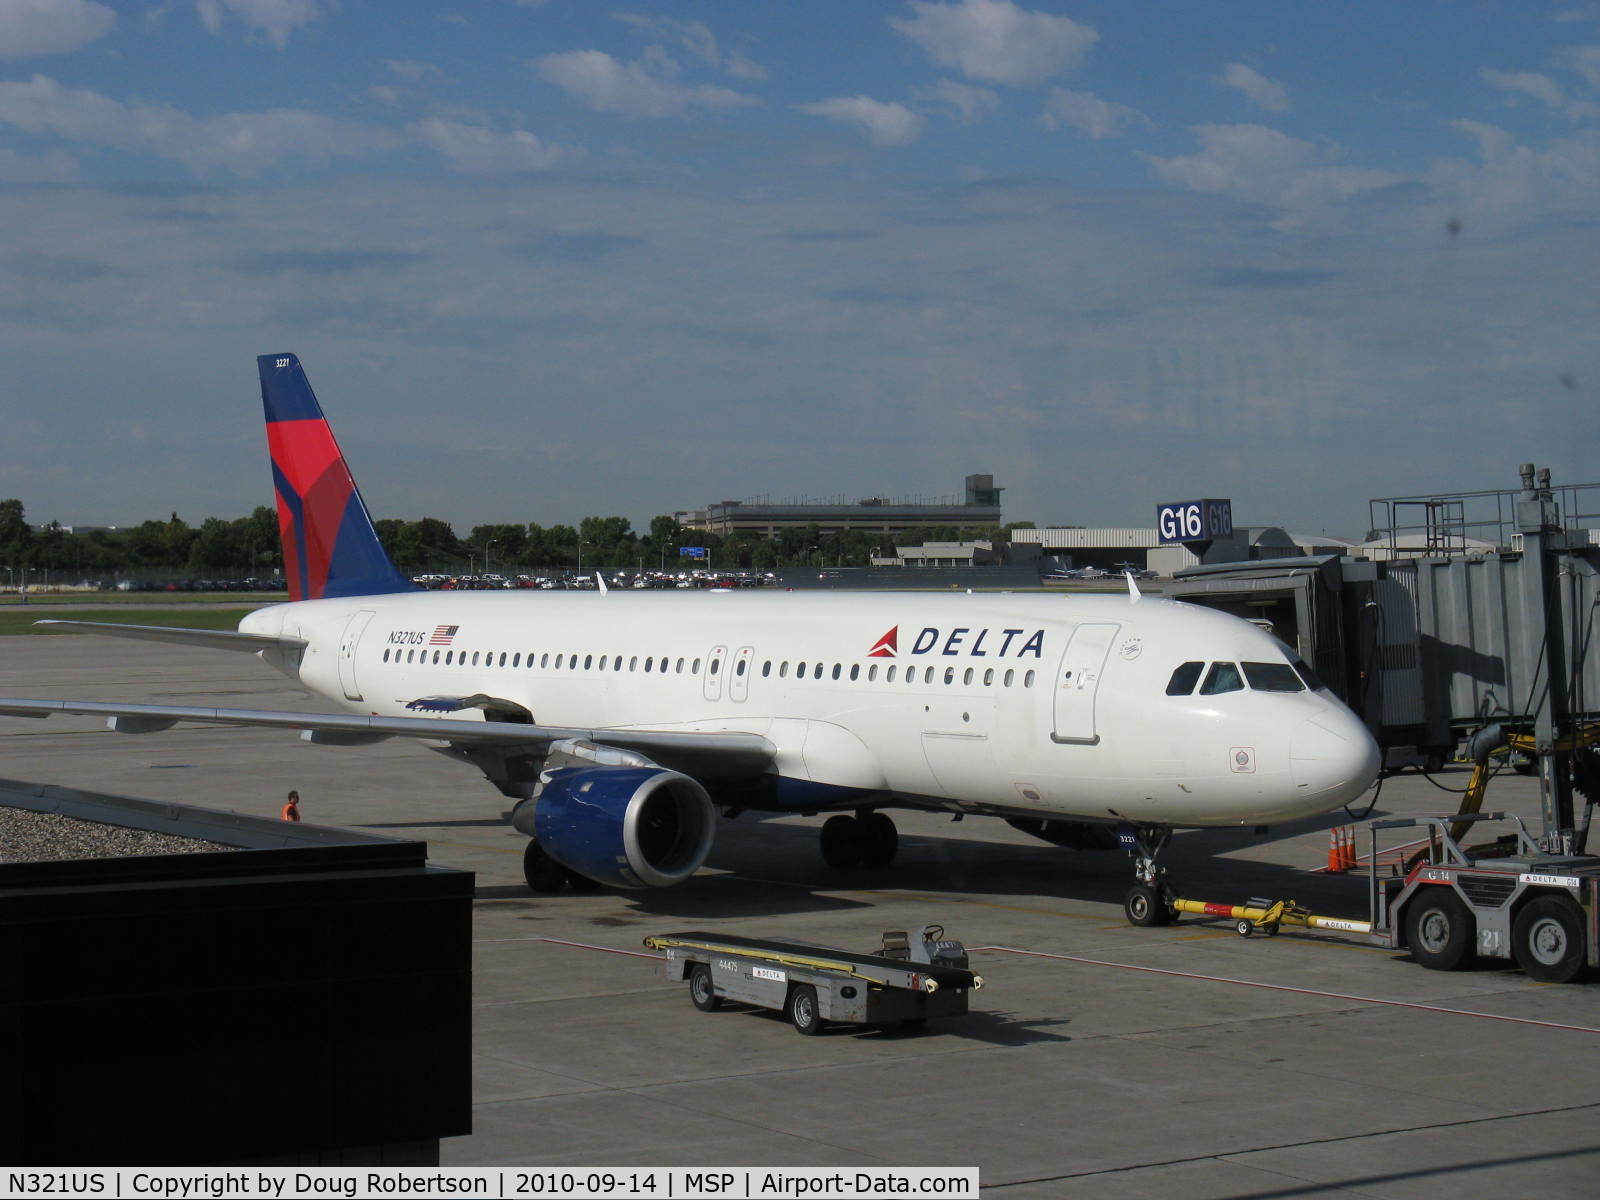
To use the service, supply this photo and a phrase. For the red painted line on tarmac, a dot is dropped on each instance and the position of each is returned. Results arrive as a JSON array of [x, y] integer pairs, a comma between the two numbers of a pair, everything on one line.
[[1280, 987]]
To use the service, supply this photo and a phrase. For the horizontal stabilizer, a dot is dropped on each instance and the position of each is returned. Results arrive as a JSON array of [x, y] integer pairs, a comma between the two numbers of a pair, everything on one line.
[[213, 639]]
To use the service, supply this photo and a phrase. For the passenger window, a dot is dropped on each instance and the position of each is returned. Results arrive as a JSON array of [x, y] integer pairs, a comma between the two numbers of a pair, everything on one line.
[[633, 663], [966, 677], [616, 663], [448, 656], [766, 668], [1272, 677], [836, 670], [1027, 680], [411, 656], [385, 656], [739, 669], [1184, 678], [988, 677], [855, 672], [800, 671], [436, 658], [889, 678], [649, 664], [502, 658], [588, 661], [949, 674], [716, 665], [783, 670], [1223, 677], [872, 672], [680, 666], [544, 659], [475, 658], [695, 670], [816, 671], [602, 662], [558, 662], [1010, 675]]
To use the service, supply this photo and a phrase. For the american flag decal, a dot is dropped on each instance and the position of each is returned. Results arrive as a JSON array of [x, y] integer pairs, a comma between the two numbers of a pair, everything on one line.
[[443, 635]]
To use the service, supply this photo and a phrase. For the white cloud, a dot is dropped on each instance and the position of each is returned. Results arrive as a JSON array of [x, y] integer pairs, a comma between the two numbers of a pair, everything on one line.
[[647, 87], [884, 123], [696, 38], [1546, 91], [410, 70], [476, 149], [1252, 162], [54, 167], [1584, 61], [996, 41], [1087, 113], [241, 143], [1264, 93], [1519, 183], [35, 27], [964, 102], [275, 18]]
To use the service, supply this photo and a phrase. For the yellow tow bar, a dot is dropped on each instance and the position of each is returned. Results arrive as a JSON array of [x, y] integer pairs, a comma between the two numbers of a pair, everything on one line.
[[1269, 916]]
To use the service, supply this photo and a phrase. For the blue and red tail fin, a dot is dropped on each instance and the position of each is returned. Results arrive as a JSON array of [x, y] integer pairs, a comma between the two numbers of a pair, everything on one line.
[[329, 545]]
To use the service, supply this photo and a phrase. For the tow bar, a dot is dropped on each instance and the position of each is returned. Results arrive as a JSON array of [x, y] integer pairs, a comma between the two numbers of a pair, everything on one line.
[[1268, 916]]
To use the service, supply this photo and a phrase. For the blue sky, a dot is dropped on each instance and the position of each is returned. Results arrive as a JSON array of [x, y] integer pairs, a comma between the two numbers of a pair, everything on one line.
[[543, 260]]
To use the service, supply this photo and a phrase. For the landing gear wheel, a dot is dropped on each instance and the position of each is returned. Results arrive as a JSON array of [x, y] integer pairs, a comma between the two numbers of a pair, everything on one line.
[[877, 839], [841, 841], [581, 883], [1439, 930], [701, 991], [543, 873], [1548, 941], [1146, 906], [802, 1010]]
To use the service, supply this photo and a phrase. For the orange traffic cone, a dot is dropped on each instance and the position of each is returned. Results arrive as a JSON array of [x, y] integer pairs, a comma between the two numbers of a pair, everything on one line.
[[1350, 863], [1341, 849]]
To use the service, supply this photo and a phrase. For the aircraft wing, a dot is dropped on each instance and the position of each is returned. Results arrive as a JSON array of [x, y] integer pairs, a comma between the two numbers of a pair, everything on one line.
[[693, 752], [215, 639]]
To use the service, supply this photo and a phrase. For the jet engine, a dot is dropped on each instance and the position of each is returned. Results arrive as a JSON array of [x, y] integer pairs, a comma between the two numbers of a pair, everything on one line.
[[626, 826]]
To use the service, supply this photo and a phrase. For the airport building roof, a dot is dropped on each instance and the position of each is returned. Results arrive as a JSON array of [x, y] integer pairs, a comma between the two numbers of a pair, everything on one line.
[[981, 506]]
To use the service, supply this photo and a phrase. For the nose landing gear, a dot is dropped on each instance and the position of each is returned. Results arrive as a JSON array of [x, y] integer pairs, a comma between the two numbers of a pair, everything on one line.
[[1149, 901]]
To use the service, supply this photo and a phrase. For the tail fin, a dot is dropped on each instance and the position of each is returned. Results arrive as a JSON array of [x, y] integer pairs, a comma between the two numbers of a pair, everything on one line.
[[329, 545]]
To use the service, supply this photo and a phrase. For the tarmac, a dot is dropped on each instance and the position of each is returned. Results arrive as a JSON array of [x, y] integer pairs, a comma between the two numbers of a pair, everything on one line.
[[1099, 1061]]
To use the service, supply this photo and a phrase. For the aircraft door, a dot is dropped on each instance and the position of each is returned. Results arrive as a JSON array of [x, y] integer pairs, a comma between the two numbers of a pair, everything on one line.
[[1078, 680], [716, 664], [348, 641], [739, 675]]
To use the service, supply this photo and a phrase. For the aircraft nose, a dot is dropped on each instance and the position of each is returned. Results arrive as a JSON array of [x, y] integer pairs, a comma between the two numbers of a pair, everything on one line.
[[1332, 757]]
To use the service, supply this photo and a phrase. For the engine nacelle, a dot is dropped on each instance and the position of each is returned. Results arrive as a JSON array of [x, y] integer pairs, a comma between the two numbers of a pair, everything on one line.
[[629, 827]]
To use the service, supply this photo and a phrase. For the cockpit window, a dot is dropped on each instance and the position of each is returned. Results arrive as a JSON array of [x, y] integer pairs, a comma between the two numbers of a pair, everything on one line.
[[1184, 678], [1311, 678], [1272, 677], [1223, 677]]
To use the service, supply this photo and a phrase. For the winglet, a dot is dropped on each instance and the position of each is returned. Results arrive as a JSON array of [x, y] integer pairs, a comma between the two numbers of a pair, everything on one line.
[[329, 545], [1134, 594]]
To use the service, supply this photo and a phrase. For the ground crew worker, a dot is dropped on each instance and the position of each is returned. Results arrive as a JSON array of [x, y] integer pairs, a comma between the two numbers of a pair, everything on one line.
[[291, 810]]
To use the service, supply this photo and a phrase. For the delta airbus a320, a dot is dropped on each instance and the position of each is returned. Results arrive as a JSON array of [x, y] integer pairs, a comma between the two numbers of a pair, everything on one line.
[[623, 724]]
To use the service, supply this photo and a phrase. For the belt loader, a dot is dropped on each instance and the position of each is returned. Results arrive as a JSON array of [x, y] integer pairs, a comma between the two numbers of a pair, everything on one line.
[[905, 983]]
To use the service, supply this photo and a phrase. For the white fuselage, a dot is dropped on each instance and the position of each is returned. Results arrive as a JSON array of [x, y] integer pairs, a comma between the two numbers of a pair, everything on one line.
[[1037, 705]]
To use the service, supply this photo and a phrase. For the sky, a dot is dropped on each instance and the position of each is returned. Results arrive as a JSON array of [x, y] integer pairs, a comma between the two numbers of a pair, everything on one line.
[[543, 260]]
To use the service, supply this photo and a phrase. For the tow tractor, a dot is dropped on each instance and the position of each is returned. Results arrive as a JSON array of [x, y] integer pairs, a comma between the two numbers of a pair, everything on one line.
[[906, 982], [1505, 899]]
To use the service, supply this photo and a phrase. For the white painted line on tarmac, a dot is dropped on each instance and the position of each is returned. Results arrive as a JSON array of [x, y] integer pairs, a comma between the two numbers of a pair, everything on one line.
[[1283, 987], [563, 942]]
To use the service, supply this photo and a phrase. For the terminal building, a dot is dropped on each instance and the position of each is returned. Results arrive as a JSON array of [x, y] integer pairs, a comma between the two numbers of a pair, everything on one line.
[[875, 515], [1111, 548]]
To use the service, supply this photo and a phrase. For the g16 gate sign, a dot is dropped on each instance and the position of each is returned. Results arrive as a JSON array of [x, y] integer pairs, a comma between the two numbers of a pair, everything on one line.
[[1194, 521]]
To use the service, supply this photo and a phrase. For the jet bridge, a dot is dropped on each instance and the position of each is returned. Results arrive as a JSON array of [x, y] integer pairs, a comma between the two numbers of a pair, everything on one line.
[[1482, 614]]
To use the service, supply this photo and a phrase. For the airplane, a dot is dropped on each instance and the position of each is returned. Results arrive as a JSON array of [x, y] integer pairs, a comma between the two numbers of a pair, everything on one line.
[[624, 723]]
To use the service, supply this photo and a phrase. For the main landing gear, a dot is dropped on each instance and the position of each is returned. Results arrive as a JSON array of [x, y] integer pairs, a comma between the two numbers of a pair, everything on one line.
[[1148, 901], [545, 874], [868, 839]]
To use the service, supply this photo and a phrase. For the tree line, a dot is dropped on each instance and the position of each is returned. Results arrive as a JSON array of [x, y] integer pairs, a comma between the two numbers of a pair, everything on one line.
[[250, 546]]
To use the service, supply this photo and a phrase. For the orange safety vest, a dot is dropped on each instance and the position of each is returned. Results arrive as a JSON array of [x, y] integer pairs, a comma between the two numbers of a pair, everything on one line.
[[291, 811]]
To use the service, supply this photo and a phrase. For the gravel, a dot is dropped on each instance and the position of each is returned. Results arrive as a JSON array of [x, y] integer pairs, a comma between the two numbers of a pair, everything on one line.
[[27, 836]]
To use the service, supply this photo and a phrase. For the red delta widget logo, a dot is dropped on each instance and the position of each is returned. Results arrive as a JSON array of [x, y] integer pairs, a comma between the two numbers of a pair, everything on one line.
[[979, 643]]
